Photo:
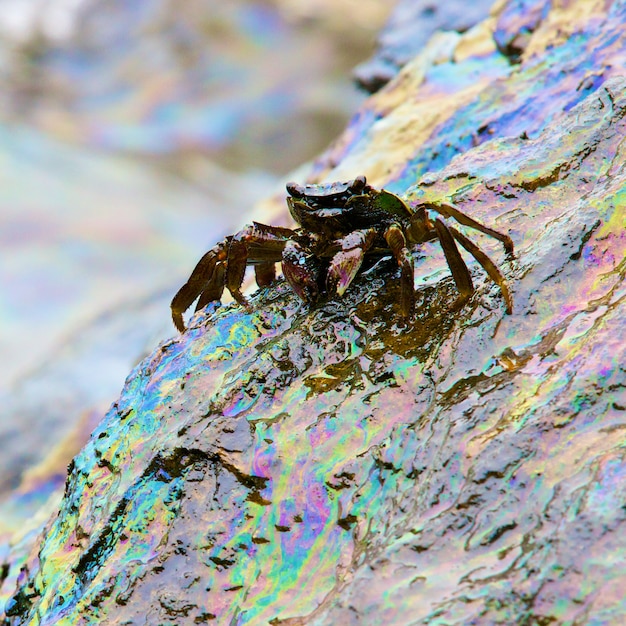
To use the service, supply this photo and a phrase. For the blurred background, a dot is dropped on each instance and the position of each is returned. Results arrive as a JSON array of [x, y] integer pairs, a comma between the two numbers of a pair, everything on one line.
[[133, 136]]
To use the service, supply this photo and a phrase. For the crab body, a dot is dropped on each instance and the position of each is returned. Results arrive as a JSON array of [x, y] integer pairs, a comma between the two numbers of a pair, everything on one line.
[[339, 225], [339, 208]]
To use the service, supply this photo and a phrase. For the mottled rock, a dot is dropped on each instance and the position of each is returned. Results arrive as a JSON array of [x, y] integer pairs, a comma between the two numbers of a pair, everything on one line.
[[336, 466], [408, 30]]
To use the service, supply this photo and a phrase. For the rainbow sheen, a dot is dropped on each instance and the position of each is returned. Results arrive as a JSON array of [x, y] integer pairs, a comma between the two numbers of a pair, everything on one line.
[[341, 465]]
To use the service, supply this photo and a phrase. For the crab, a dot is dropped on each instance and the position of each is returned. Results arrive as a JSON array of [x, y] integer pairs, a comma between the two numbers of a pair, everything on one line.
[[339, 226]]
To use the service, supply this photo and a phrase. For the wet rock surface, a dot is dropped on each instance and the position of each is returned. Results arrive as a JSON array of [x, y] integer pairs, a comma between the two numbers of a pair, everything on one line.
[[337, 465]]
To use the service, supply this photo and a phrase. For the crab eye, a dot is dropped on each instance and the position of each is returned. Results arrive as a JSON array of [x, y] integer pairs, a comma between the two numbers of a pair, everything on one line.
[[358, 184], [294, 190]]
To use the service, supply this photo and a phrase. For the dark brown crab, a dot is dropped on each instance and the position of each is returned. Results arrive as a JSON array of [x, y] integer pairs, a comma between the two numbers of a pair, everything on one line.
[[339, 225]]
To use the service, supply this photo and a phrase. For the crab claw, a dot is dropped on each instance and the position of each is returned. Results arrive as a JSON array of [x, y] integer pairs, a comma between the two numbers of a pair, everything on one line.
[[343, 268], [301, 269], [345, 264]]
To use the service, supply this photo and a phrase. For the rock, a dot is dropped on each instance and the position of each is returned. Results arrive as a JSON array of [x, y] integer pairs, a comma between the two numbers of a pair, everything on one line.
[[336, 466], [79, 269], [408, 30]]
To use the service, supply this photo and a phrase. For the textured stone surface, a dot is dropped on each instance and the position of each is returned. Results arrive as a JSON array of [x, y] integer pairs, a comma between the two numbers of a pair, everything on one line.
[[334, 466], [408, 30]]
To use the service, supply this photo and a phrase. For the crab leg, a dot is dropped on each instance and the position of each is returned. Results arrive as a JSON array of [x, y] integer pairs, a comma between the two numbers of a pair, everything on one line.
[[256, 244], [236, 269], [265, 273], [488, 265], [394, 236], [202, 278], [225, 265], [214, 289], [457, 266], [450, 210]]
